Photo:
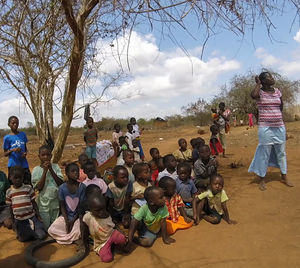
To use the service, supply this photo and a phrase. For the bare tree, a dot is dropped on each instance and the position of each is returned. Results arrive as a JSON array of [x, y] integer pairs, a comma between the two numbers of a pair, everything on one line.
[[45, 45]]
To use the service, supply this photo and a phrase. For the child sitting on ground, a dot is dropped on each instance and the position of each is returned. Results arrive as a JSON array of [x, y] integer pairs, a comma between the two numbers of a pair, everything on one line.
[[211, 204], [142, 176], [150, 219], [20, 197], [66, 228], [119, 194], [90, 137], [185, 187], [46, 178], [99, 224], [170, 164], [91, 172], [90, 190], [204, 168], [196, 143], [177, 217], [136, 151], [5, 215], [82, 159], [183, 153], [128, 157], [117, 133], [154, 152], [214, 142]]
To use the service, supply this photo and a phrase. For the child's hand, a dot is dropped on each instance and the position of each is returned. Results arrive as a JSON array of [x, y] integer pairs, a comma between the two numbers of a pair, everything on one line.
[[231, 222], [17, 149], [23, 154], [187, 219], [257, 80], [39, 218], [69, 226]]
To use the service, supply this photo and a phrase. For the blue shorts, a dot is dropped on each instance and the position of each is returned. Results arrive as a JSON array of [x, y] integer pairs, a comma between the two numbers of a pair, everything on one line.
[[91, 152], [143, 232]]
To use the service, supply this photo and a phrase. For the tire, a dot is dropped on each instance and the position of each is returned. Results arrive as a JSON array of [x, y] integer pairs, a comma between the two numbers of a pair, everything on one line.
[[35, 262]]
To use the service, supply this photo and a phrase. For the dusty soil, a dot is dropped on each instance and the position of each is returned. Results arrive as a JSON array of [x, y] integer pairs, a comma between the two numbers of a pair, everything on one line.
[[267, 233]]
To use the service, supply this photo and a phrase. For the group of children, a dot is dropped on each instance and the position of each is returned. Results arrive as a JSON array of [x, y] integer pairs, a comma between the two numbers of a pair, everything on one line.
[[156, 198]]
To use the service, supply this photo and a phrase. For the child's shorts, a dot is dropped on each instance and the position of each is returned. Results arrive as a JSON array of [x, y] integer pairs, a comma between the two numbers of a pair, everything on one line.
[[30, 229], [212, 212], [143, 232], [91, 152]]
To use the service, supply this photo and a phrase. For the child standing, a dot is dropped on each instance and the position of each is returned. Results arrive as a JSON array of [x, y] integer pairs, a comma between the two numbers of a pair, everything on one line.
[[5, 215], [128, 157], [137, 135], [214, 143], [119, 194], [141, 172], [20, 197], [222, 122], [90, 138], [119, 149], [170, 167], [82, 160], [117, 133], [213, 203], [46, 178], [177, 217], [91, 172], [129, 135], [204, 168], [136, 151], [185, 187], [183, 153], [196, 143], [14, 145], [99, 224], [66, 228], [150, 219]]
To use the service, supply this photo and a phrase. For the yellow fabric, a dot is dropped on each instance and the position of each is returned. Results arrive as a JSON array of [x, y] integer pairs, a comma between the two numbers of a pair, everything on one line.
[[215, 201], [172, 227]]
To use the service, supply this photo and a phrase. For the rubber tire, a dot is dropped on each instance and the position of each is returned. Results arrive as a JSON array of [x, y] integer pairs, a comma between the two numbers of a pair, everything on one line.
[[35, 262]]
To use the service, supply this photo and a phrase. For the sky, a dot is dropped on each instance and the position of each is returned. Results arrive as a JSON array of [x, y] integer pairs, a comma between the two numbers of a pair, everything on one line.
[[161, 77]]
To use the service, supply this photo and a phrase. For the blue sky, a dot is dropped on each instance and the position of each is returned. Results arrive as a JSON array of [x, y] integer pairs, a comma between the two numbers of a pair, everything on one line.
[[162, 78]]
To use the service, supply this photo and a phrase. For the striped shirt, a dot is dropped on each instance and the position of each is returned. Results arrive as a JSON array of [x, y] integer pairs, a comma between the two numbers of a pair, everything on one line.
[[173, 205], [268, 105], [20, 200]]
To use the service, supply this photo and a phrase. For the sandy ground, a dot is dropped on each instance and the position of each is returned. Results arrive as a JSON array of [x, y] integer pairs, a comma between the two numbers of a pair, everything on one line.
[[267, 233]]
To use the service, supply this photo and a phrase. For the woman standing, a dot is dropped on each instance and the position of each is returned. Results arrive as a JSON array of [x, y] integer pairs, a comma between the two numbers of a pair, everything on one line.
[[271, 130]]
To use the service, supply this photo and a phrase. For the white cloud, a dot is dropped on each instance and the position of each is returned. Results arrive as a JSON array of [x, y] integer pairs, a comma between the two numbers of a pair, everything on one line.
[[297, 37], [281, 64], [158, 83]]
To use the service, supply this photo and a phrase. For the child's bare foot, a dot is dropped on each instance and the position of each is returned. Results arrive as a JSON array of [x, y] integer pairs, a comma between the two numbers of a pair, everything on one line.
[[286, 181], [262, 185]]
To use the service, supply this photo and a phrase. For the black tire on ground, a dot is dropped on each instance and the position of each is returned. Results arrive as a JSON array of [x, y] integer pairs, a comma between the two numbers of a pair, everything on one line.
[[34, 262]]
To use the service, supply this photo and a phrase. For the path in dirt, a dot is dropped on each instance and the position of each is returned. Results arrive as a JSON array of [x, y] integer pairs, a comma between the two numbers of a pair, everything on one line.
[[267, 233]]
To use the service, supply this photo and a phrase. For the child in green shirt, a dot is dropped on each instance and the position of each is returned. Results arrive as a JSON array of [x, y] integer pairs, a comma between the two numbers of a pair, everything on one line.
[[151, 219]]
